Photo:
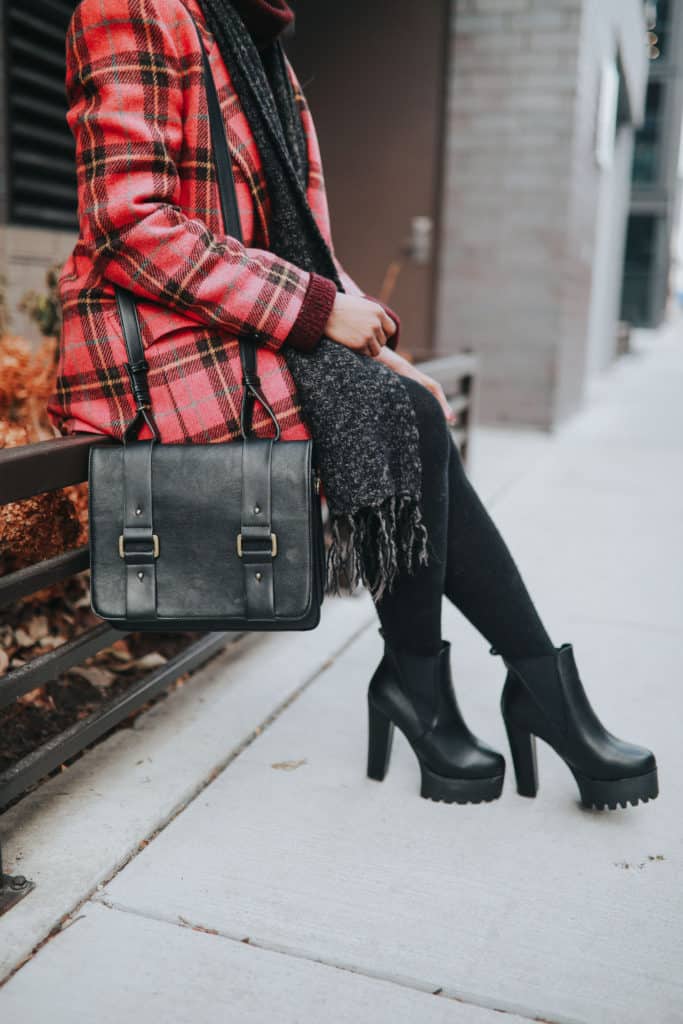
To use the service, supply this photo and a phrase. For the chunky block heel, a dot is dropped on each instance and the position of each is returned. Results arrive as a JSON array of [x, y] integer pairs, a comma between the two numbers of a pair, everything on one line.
[[523, 750], [380, 738]]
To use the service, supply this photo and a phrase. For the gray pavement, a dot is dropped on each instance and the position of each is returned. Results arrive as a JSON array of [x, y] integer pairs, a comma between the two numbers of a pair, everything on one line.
[[283, 885]]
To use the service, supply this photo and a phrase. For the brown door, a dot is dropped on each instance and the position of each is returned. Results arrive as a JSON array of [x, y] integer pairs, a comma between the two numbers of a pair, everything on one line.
[[374, 74]]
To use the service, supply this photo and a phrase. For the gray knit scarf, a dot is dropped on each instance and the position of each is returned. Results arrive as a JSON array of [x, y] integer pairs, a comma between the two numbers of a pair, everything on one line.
[[358, 411]]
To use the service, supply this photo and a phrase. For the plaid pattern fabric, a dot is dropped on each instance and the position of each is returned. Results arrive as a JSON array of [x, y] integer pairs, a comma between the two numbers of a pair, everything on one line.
[[149, 218]]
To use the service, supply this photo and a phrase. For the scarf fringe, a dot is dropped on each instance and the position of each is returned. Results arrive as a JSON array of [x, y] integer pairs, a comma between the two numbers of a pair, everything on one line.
[[374, 545]]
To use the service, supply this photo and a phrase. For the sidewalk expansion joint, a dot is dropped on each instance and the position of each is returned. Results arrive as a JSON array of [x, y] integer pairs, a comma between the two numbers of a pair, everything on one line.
[[412, 984]]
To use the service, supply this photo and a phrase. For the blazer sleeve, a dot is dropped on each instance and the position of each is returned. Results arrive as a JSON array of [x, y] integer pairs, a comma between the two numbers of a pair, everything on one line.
[[125, 83]]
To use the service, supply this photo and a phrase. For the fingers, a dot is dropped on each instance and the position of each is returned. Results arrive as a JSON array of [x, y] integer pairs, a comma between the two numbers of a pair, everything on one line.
[[377, 337], [380, 336], [373, 347], [367, 347], [440, 395], [443, 402], [449, 413], [388, 325]]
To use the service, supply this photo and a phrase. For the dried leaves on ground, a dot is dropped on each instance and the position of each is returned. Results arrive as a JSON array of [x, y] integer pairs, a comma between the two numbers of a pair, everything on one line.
[[29, 629]]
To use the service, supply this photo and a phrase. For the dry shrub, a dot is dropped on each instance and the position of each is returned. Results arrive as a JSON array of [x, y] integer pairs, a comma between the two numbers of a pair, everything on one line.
[[42, 526]]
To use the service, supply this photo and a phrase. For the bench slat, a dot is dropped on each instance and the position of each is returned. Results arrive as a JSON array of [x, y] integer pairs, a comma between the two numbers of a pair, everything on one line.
[[48, 666], [43, 574], [32, 469], [18, 777]]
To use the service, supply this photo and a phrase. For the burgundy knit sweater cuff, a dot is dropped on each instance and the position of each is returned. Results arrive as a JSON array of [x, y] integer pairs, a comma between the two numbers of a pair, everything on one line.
[[307, 329]]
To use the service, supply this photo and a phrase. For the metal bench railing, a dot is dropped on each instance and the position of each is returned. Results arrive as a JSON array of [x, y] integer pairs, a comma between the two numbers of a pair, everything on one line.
[[34, 469]]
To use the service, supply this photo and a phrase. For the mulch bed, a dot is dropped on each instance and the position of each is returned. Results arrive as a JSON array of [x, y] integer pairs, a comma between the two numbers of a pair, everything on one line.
[[59, 613]]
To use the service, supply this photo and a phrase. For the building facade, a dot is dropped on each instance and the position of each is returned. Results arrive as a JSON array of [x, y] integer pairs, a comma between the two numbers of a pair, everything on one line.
[[656, 172], [543, 102], [37, 171]]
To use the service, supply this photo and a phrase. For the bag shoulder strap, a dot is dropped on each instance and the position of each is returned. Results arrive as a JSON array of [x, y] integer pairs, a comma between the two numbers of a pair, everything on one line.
[[137, 366]]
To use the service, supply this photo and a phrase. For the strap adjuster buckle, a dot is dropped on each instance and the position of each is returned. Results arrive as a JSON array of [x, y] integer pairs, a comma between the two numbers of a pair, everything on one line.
[[155, 547], [241, 552]]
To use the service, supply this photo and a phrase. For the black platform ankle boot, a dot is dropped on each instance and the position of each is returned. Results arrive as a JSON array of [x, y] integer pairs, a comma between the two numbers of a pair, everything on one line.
[[415, 692], [544, 697]]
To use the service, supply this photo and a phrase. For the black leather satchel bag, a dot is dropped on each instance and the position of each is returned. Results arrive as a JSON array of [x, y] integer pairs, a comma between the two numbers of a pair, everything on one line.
[[221, 536]]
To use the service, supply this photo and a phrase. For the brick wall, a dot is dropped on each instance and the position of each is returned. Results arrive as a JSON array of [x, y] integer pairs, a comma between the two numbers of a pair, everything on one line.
[[521, 194]]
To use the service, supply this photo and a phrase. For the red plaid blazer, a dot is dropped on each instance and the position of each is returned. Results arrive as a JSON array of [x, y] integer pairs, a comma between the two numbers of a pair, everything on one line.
[[149, 219]]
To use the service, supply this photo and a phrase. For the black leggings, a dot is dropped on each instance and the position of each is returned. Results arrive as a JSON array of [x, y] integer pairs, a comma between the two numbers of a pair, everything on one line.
[[469, 561]]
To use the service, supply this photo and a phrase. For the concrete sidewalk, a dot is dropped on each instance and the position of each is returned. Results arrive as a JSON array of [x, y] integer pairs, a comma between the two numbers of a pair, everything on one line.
[[291, 888]]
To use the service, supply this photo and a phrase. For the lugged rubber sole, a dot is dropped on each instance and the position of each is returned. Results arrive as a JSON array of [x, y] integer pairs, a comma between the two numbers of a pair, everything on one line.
[[609, 794], [602, 794], [459, 791]]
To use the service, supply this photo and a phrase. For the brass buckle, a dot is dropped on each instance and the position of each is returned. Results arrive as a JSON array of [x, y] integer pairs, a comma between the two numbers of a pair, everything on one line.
[[155, 546], [273, 545]]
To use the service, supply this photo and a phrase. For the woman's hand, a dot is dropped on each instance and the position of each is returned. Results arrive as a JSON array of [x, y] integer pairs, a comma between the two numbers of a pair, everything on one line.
[[400, 365], [360, 324]]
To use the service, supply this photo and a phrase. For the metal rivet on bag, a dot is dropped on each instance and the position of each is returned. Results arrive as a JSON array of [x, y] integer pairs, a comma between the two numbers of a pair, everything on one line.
[[141, 575], [257, 509], [259, 576], [138, 511]]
